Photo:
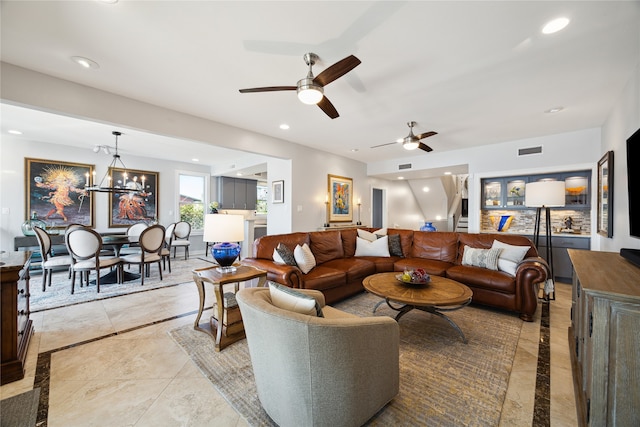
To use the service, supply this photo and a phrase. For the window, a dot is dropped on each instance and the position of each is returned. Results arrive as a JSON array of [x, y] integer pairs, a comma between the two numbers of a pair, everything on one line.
[[262, 197], [192, 198]]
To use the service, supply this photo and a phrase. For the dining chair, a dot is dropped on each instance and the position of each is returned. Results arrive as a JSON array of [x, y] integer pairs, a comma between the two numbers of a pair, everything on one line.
[[49, 261], [85, 245], [166, 248], [134, 230], [181, 238], [151, 243]]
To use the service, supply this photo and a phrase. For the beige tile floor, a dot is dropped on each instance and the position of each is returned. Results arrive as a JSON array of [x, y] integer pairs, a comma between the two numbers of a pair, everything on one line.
[[141, 377]]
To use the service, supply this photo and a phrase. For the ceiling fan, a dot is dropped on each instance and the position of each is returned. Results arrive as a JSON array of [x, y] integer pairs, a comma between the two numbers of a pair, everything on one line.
[[311, 89], [411, 141]]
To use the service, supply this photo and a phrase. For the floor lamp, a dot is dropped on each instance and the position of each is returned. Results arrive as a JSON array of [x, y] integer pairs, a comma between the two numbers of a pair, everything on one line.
[[539, 195]]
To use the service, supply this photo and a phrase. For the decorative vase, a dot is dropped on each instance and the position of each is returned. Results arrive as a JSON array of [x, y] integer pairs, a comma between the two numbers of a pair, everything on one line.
[[428, 226], [27, 226], [502, 222], [225, 254]]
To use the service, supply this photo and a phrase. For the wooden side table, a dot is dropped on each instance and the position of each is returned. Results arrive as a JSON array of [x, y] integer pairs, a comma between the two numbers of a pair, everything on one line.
[[226, 323]]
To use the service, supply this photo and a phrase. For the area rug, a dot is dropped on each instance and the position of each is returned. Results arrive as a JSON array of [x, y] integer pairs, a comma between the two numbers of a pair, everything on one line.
[[59, 293], [443, 382]]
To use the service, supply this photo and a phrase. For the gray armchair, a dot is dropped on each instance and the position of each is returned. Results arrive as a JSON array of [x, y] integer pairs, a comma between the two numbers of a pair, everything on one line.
[[337, 370]]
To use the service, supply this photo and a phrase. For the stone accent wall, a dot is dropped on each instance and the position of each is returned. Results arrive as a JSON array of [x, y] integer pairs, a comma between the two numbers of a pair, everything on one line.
[[524, 220]]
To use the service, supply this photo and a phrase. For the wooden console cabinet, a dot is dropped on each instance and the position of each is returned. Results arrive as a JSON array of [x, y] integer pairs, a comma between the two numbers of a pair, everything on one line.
[[604, 338], [17, 328]]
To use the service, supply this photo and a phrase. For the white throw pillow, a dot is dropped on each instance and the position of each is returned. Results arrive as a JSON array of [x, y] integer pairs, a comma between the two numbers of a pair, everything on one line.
[[277, 258], [379, 247], [304, 257], [364, 234], [510, 256], [289, 299], [381, 232], [485, 258]]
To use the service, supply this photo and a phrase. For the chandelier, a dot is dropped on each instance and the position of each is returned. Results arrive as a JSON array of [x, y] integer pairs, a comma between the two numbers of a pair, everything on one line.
[[108, 183]]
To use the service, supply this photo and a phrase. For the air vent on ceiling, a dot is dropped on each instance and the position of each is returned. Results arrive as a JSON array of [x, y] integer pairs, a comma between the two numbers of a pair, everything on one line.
[[530, 150], [405, 166]]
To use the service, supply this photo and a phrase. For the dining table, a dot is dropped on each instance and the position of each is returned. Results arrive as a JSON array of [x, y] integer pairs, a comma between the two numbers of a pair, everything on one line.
[[117, 242]]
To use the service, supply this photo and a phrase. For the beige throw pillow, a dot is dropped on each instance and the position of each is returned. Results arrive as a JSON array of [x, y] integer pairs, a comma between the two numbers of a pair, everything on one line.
[[289, 299], [304, 258], [485, 258], [510, 256]]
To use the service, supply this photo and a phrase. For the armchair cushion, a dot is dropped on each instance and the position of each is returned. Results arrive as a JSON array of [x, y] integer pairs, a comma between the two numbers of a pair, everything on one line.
[[289, 299]]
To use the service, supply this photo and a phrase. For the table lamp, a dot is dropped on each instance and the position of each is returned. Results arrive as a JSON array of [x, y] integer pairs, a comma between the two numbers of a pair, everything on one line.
[[544, 194], [226, 231]]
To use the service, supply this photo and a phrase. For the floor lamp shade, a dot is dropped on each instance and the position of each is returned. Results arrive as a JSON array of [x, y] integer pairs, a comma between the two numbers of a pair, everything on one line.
[[226, 231], [544, 194]]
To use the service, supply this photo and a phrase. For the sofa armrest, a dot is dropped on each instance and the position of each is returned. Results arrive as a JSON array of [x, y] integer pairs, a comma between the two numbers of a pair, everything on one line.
[[286, 275], [530, 273]]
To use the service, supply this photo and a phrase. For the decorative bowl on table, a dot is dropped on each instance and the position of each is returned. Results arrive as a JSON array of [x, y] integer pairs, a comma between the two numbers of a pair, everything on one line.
[[414, 277]]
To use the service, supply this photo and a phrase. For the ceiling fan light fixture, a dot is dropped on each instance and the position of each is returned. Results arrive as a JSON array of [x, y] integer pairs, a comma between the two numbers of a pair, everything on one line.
[[308, 92], [410, 145]]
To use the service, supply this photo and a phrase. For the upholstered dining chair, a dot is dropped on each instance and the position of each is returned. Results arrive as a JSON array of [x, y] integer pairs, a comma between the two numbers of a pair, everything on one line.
[[181, 235], [151, 242], [49, 261], [134, 230], [166, 248], [85, 245]]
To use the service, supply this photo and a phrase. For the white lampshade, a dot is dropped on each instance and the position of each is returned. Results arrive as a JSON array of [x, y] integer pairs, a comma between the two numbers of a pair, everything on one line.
[[223, 228], [544, 194]]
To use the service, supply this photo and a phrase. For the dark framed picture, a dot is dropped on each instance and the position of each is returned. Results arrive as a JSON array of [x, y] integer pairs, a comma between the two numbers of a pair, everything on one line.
[[54, 191], [138, 200], [277, 192], [605, 195], [340, 199]]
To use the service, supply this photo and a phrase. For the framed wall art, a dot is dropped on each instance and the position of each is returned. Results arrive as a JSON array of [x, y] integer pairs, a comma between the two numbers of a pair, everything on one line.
[[340, 199], [54, 191], [138, 200], [277, 192], [605, 195]]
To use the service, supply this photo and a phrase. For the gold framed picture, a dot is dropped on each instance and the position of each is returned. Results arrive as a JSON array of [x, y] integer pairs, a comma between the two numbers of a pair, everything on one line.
[[138, 200], [340, 196], [605, 195]]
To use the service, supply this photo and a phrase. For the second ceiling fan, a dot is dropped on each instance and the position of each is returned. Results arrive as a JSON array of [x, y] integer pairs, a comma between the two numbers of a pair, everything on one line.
[[311, 89], [411, 141]]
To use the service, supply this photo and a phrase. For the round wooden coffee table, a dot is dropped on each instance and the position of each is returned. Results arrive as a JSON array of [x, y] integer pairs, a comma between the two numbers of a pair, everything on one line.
[[437, 296]]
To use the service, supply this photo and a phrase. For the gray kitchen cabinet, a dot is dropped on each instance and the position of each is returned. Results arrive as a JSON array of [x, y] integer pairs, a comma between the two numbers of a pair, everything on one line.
[[237, 193], [562, 268], [604, 338]]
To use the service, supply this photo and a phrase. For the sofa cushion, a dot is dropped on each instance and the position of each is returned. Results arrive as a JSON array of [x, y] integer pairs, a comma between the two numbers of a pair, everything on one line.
[[378, 247], [438, 245], [263, 247], [289, 299], [323, 277], [510, 256], [304, 258], [285, 254], [431, 266], [395, 246], [485, 241], [349, 241], [355, 268], [478, 277], [485, 258], [326, 245], [406, 239]]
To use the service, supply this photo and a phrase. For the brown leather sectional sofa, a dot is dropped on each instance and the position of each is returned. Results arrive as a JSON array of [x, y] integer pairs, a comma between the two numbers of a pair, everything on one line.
[[339, 274]]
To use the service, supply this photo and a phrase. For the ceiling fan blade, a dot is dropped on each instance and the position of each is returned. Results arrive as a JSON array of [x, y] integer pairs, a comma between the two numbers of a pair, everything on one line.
[[424, 147], [426, 135], [382, 145], [326, 106], [268, 89], [337, 70]]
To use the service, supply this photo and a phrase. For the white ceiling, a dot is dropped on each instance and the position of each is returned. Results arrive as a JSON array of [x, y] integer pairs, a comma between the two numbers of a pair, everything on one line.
[[476, 72]]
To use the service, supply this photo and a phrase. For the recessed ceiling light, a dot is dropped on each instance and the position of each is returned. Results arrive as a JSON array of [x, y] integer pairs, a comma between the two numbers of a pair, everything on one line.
[[555, 25], [447, 173], [284, 126], [238, 173], [108, 1], [425, 189], [354, 150], [401, 177], [85, 62], [14, 132], [554, 110], [195, 160]]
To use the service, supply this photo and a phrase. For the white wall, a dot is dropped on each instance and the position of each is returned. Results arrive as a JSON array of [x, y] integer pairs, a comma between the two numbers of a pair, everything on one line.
[[623, 121], [12, 181]]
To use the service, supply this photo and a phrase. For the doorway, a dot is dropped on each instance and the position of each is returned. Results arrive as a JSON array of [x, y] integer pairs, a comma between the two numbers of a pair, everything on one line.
[[377, 203]]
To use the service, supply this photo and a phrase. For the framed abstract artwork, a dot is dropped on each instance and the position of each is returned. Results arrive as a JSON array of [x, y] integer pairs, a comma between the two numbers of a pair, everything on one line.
[[277, 192], [138, 200], [605, 195], [340, 199], [54, 191]]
